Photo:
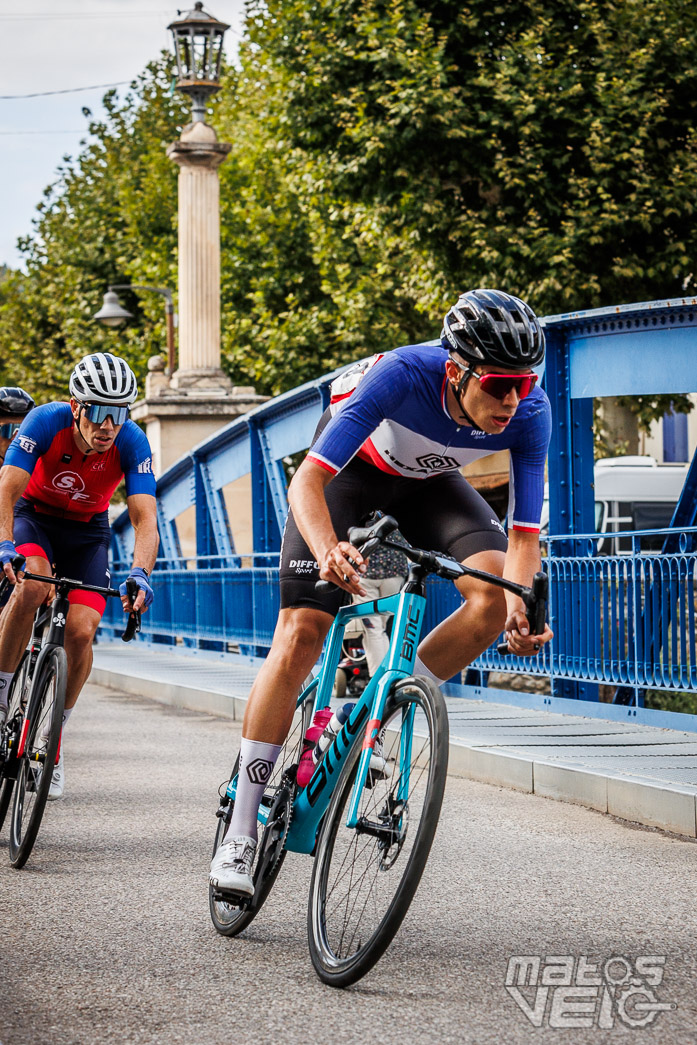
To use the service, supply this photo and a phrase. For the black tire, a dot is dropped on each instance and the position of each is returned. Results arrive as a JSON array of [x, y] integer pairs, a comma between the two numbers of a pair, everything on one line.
[[339, 690], [18, 694], [46, 703], [363, 883], [230, 919]]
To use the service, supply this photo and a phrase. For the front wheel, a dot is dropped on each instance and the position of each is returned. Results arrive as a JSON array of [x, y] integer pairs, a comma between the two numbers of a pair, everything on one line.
[[364, 878], [45, 717], [16, 701]]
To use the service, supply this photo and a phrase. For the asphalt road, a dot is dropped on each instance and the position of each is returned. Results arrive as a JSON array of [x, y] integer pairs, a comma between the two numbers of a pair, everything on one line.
[[105, 934]]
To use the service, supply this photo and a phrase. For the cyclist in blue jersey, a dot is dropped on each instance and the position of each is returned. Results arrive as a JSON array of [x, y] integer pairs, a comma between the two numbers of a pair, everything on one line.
[[399, 428], [15, 404], [59, 476]]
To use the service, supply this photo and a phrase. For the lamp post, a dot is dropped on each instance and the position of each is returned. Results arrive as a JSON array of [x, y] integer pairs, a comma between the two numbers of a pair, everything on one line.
[[113, 314], [198, 46], [198, 42]]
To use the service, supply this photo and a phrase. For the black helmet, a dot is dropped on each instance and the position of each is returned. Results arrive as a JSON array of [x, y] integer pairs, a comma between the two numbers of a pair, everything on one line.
[[493, 328], [15, 402]]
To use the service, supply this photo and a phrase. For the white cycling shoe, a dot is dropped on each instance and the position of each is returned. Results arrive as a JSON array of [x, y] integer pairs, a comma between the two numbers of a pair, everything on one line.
[[231, 867], [57, 787]]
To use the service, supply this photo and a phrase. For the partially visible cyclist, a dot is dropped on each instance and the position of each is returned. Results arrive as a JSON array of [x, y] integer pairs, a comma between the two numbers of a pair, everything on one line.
[[55, 487], [399, 428], [15, 404]]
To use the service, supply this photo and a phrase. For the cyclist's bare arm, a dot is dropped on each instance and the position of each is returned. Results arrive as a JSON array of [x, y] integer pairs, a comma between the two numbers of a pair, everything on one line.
[[13, 483], [522, 563], [306, 498], [142, 511]]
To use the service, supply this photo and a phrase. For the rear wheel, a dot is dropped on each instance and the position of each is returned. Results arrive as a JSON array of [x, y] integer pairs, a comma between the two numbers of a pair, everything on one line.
[[230, 918], [364, 878], [19, 691], [45, 716]]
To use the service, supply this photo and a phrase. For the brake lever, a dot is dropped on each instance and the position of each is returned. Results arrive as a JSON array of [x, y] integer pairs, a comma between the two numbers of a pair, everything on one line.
[[536, 608], [133, 623]]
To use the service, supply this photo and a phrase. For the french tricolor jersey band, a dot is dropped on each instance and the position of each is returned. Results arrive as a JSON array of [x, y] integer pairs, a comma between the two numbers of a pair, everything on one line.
[[391, 411]]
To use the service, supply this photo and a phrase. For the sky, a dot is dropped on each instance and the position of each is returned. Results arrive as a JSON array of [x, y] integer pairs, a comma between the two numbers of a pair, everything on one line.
[[57, 45]]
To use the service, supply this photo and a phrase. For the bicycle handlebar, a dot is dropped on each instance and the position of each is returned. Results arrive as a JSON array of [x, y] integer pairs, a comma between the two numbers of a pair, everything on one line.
[[367, 538], [133, 623]]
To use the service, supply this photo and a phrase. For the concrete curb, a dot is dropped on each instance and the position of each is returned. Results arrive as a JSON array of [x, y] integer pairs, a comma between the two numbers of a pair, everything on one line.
[[668, 807]]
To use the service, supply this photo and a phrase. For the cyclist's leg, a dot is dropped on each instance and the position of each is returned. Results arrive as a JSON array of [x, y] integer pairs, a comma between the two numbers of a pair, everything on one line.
[[83, 555], [17, 617], [375, 639], [80, 630], [33, 541], [303, 623], [461, 523]]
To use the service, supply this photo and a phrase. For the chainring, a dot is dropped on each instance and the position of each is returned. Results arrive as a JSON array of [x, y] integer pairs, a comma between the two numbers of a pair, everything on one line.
[[273, 841]]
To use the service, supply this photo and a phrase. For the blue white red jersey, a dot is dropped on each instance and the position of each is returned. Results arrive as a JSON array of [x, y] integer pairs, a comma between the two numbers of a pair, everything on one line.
[[391, 410], [64, 480]]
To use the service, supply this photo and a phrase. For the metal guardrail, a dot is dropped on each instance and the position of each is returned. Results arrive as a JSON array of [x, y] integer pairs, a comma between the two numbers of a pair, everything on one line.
[[619, 620], [622, 620]]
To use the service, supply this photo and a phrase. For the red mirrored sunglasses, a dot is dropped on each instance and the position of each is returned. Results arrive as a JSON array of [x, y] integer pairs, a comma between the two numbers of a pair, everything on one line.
[[499, 385]]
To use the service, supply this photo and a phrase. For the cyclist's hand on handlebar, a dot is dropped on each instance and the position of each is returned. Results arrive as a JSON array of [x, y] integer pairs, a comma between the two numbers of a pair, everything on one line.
[[518, 636], [145, 593], [344, 566], [8, 552]]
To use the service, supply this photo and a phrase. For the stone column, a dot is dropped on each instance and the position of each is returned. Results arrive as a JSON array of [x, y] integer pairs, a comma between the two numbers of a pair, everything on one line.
[[199, 154]]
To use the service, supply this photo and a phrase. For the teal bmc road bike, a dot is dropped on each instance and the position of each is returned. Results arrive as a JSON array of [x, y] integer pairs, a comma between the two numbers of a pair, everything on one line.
[[370, 831]]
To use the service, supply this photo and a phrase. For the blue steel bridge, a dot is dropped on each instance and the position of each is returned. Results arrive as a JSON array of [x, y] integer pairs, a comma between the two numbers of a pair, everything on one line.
[[625, 621]]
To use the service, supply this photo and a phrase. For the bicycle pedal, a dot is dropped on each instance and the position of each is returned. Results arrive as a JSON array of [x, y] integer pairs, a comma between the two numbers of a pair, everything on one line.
[[241, 900]]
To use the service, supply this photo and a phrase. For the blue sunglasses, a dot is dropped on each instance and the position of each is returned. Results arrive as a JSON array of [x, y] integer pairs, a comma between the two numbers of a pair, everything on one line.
[[7, 431], [98, 413]]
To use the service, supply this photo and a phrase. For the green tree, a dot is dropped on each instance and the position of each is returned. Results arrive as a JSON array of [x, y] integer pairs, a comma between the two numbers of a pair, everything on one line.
[[107, 218]]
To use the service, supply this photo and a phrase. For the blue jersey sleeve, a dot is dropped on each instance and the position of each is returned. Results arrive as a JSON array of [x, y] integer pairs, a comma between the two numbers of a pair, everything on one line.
[[136, 459], [528, 459], [36, 434], [378, 395]]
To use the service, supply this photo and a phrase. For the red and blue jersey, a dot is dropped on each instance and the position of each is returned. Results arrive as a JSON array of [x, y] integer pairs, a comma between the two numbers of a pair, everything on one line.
[[64, 480], [391, 410]]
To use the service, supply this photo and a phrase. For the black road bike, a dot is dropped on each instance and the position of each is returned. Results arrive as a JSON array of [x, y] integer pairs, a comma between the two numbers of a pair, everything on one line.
[[30, 738]]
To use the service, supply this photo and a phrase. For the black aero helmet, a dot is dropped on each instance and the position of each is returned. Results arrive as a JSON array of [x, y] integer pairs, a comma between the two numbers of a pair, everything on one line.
[[15, 402], [495, 329]]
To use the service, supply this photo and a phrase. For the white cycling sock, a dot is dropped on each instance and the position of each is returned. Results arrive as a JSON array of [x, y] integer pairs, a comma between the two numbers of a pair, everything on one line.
[[421, 669], [257, 760], [5, 680], [67, 712]]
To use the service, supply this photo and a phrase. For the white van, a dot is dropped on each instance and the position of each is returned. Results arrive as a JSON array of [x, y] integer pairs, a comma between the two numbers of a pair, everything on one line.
[[631, 493]]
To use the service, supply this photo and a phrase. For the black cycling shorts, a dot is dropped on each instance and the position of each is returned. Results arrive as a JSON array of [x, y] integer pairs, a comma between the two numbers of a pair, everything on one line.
[[79, 550], [442, 513]]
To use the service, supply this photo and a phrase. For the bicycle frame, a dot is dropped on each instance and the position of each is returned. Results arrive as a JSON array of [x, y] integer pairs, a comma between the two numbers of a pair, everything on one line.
[[311, 803]]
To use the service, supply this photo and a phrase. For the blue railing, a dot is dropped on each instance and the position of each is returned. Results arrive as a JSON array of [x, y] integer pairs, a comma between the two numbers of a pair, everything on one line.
[[619, 620]]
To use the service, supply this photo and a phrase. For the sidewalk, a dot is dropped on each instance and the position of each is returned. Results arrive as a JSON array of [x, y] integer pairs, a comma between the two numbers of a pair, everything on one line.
[[639, 773]]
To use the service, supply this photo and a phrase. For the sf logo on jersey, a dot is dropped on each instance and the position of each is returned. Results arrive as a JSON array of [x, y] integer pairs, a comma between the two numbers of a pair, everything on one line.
[[71, 484]]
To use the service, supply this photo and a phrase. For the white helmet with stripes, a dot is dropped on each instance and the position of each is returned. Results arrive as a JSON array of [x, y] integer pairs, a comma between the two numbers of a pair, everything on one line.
[[103, 378]]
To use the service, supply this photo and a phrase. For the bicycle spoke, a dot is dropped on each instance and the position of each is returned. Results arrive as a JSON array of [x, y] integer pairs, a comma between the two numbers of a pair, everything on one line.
[[365, 877]]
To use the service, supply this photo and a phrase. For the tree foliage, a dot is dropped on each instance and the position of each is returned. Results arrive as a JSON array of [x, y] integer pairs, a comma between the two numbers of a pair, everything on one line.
[[386, 155]]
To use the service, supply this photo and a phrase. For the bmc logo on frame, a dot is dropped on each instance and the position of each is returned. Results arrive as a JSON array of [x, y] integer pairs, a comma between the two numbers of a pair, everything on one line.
[[566, 992]]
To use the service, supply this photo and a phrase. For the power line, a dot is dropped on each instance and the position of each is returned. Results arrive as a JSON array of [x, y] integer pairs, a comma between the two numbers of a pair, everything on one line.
[[67, 90], [52, 16], [65, 131]]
